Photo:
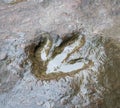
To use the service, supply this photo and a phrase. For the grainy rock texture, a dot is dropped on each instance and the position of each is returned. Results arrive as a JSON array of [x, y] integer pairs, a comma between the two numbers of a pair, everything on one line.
[[59, 53]]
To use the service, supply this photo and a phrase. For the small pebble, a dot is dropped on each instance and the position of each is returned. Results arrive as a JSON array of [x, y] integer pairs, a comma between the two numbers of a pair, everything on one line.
[[64, 101], [3, 56]]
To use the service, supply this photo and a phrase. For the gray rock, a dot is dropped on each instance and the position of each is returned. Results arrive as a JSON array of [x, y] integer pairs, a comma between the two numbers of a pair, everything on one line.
[[3, 55], [33, 75]]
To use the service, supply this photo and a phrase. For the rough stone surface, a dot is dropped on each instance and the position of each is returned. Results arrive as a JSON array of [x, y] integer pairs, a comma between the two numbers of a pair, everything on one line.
[[3, 56], [27, 28]]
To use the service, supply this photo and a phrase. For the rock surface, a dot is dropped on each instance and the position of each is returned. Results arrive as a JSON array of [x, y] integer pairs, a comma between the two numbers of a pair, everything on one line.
[[60, 54]]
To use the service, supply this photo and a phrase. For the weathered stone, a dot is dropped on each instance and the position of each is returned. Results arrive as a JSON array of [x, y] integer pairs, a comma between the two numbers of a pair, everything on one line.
[[3, 55], [77, 87], [51, 28], [13, 1]]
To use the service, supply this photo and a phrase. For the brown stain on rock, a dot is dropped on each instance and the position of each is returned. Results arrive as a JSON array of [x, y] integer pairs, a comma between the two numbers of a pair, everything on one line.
[[39, 66]]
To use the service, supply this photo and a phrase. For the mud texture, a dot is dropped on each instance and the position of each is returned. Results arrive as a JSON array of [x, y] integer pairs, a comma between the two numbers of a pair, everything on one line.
[[59, 54], [33, 77]]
